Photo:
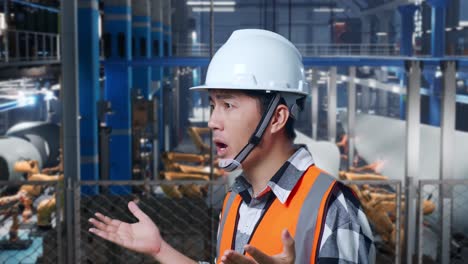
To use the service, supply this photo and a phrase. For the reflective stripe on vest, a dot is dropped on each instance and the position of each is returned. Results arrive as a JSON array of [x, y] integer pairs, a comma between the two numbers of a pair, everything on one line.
[[302, 214]]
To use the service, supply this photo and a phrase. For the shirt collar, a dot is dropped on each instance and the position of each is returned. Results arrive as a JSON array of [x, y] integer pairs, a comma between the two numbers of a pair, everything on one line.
[[284, 180]]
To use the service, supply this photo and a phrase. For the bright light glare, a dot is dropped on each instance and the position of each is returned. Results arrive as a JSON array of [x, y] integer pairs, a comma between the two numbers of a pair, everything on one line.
[[24, 100], [49, 95], [207, 3], [327, 9], [215, 9]]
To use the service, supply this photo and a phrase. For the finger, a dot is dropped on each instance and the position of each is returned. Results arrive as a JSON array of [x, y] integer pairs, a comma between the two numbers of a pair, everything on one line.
[[101, 226], [224, 259], [227, 257], [98, 224], [233, 257], [136, 211], [105, 219], [288, 244], [100, 233], [258, 255]]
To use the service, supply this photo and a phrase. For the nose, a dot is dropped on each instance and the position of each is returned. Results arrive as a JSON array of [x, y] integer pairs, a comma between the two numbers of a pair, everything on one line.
[[215, 121]]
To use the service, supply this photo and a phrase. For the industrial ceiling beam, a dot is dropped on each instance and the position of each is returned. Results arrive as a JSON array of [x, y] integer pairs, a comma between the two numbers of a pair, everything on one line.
[[392, 5]]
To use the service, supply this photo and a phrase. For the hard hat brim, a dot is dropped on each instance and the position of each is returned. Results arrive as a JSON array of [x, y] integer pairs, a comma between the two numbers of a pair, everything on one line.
[[222, 87]]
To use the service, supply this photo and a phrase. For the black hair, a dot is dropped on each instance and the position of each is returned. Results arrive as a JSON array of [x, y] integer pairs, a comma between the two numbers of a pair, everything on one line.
[[264, 99]]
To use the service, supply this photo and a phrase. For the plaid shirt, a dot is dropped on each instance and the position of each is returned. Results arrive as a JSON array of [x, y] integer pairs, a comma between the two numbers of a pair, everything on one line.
[[346, 236]]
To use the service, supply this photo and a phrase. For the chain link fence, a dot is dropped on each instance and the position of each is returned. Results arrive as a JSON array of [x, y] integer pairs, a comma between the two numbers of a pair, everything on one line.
[[186, 213], [442, 225], [29, 230]]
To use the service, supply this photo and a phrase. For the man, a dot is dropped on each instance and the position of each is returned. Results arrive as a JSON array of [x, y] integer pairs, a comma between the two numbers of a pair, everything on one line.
[[282, 209]]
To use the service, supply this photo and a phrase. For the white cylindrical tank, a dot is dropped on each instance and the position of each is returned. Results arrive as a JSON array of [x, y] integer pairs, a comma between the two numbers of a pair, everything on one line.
[[13, 149]]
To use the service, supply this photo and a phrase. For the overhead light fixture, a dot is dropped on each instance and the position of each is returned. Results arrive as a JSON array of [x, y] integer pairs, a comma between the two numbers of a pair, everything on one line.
[[208, 3], [448, 29], [396, 89], [99, 26], [372, 83], [463, 23], [459, 28], [215, 9], [328, 9], [381, 33], [3, 24]]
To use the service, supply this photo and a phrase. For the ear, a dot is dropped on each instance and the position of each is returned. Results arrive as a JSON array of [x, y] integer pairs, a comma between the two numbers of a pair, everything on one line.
[[280, 117]]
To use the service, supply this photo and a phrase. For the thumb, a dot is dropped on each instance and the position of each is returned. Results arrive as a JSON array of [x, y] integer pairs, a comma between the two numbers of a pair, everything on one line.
[[136, 211], [288, 244]]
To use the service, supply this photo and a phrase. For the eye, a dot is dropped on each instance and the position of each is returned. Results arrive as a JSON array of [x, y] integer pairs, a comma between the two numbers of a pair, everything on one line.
[[212, 107], [228, 105]]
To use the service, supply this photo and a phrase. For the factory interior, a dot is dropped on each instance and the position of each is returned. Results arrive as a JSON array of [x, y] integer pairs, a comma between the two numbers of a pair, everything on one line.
[[96, 111]]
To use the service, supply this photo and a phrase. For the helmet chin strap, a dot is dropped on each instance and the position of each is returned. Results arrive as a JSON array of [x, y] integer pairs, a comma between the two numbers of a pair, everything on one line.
[[233, 164]]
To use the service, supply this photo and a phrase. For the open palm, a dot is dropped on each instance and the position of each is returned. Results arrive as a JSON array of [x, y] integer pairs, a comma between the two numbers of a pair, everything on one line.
[[142, 236]]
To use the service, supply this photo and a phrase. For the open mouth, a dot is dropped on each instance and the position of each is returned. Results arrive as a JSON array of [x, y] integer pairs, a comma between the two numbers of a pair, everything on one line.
[[221, 148], [221, 145]]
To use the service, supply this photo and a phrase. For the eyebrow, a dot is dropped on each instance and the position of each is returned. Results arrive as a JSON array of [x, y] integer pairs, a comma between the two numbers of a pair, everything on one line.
[[221, 96]]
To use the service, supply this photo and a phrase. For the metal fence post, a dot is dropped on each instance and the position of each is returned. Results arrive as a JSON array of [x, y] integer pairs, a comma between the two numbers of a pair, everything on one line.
[[398, 224], [58, 221], [446, 152], [70, 122], [420, 220], [314, 102], [351, 113], [332, 105], [413, 109]]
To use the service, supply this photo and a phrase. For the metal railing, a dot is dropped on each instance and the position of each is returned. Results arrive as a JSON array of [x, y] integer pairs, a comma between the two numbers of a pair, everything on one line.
[[28, 46], [443, 234], [202, 49], [347, 49]]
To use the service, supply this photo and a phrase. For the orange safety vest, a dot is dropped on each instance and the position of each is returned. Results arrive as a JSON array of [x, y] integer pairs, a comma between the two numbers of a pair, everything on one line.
[[302, 214]]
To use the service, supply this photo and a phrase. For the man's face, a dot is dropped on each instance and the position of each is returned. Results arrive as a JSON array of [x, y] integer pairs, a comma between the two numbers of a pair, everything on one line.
[[233, 119]]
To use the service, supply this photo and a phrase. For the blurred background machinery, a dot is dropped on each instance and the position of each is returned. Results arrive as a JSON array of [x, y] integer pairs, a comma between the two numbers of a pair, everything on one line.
[[106, 81]]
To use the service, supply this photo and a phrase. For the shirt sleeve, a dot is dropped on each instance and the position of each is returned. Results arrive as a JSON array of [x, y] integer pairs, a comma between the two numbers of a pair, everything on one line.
[[346, 236]]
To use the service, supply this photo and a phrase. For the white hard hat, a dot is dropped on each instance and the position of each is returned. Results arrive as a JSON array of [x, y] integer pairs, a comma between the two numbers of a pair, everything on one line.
[[255, 59]]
